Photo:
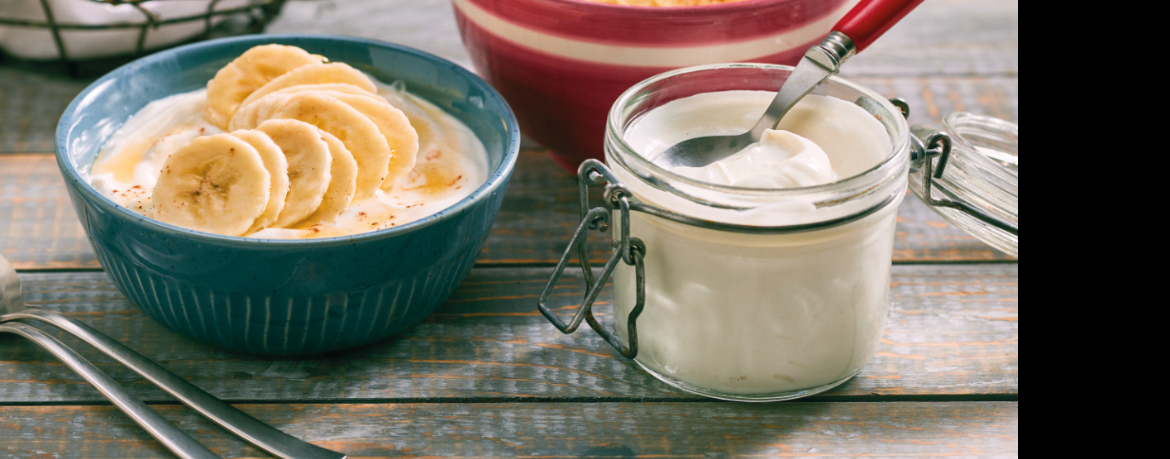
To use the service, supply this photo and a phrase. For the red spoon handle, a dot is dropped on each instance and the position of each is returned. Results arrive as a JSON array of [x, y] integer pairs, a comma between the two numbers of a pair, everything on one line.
[[871, 18]]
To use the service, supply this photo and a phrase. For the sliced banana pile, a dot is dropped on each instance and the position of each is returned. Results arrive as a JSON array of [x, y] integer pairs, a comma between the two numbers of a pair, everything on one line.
[[305, 139]]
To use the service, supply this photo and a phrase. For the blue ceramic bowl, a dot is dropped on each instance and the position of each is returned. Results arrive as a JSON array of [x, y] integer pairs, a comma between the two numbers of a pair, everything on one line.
[[286, 296]]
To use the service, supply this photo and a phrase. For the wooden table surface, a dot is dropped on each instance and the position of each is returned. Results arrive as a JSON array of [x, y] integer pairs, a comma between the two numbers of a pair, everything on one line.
[[486, 375]]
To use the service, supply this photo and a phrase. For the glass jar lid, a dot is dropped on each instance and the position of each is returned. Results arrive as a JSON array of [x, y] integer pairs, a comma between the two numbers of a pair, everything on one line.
[[973, 175]]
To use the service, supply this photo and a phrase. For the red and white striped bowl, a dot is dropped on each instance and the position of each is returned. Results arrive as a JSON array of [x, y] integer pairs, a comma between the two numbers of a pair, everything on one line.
[[562, 63]]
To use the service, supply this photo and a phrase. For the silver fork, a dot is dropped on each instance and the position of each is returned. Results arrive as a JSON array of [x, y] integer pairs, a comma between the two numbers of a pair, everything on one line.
[[12, 307]]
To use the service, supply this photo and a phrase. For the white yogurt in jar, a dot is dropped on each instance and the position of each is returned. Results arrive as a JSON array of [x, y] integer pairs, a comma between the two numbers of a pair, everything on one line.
[[451, 164], [760, 316]]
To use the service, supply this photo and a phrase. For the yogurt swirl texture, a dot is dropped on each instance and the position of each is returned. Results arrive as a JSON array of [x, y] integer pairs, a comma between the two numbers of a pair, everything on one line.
[[821, 139]]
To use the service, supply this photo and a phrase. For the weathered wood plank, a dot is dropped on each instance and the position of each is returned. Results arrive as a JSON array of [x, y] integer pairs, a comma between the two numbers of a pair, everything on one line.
[[952, 330], [543, 430], [423, 24], [932, 98], [39, 230], [38, 227], [946, 38], [30, 105]]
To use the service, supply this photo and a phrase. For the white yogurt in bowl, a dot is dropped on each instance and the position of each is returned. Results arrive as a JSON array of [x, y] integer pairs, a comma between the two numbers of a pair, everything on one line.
[[451, 163], [766, 274]]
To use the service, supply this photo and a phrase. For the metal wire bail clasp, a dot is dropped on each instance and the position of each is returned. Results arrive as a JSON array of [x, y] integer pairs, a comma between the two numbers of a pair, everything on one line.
[[626, 249], [928, 145]]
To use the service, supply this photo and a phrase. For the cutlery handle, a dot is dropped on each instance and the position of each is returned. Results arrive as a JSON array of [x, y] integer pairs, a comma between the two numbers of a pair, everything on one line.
[[174, 439], [869, 19], [255, 432]]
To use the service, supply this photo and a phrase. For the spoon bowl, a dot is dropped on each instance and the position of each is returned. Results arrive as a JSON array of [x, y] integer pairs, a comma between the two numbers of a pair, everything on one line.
[[820, 62], [861, 26]]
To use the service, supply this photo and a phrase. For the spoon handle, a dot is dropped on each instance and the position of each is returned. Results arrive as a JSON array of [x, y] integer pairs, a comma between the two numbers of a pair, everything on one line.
[[170, 436], [255, 432], [869, 19]]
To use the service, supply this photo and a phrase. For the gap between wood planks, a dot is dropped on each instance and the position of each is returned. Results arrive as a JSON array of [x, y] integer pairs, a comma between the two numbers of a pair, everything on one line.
[[1007, 397], [596, 262]]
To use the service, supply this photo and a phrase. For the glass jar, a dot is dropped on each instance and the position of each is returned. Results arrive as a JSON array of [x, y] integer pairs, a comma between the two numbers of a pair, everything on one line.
[[743, 293], [983, 173]]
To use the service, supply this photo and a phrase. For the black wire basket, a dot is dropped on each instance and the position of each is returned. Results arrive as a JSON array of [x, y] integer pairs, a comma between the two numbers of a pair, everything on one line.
[[250, 17]]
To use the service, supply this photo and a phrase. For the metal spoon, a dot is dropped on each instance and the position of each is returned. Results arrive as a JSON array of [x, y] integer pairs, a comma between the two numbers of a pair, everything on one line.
[[170, 436], [12, 307], [863, 24]]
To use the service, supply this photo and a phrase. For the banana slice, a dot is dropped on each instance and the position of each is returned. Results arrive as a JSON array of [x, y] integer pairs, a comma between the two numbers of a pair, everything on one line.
[[360, 135], [277, 166], [252, 113], [395, 127], [340, 192], [426, 127], [315, 74], [217, 184], [343, 88], [247, 73], [400, 135], [308, 167]]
